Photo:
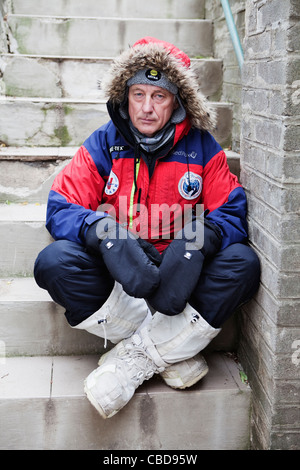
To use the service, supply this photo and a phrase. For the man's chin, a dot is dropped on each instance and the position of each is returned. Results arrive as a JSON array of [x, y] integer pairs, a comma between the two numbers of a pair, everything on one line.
[[147, 129]]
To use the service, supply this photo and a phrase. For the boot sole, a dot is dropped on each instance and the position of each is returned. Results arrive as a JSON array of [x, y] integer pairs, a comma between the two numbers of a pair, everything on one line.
[[188, 384], [94, 402]]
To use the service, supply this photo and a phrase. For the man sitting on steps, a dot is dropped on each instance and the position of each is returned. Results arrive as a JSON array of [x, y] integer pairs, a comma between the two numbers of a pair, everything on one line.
[[148, 218]]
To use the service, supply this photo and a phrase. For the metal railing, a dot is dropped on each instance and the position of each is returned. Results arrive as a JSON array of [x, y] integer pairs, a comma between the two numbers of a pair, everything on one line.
[[233, 32]]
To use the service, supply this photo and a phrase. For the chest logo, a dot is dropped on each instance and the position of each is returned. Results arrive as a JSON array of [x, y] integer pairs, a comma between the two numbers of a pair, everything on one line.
[[112, 184], [190, 185]]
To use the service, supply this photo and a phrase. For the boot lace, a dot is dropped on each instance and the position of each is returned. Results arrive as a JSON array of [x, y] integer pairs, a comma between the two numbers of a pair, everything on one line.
[[139, 365]]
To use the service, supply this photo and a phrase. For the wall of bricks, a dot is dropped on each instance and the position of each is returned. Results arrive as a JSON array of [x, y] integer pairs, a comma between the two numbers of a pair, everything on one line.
[[231, 91], [270, 173]]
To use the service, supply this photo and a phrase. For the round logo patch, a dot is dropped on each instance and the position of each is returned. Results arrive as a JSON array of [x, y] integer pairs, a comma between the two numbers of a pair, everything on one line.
[[112, 184], [190, 185], [153, 75]]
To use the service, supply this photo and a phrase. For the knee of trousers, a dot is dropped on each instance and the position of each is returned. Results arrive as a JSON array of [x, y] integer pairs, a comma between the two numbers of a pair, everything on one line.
[[118, 318], [171, 339], [247, 267], [56, 260], [244, 257], [239, 263]]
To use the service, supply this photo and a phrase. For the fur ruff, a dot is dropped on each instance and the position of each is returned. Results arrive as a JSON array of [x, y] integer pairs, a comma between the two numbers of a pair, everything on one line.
[[156, 56]]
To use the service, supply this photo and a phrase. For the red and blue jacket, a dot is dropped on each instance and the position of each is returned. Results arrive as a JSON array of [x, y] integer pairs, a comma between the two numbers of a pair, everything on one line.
[[107, 175]]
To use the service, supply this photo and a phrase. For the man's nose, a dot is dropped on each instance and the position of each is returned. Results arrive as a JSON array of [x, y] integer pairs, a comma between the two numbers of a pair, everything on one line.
[[148, 104]]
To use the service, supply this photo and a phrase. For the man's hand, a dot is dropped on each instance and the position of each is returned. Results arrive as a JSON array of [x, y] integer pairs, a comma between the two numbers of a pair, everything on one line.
[[182, 265], [124, 257], [179, 273]]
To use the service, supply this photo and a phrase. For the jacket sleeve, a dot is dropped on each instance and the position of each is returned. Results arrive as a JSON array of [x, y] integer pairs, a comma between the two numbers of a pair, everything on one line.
[[74, 198], [224, 198]]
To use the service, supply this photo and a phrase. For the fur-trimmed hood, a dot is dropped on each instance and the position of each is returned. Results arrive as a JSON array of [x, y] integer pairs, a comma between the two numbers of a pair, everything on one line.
[[175, 64]]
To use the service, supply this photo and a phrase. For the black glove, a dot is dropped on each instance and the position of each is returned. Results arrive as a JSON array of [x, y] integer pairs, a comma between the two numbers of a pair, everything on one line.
[[150, 250], [182, 265], [123, 256]]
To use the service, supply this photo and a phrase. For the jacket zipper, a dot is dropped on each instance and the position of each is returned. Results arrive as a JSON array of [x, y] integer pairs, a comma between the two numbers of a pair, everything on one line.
[[133, 190]]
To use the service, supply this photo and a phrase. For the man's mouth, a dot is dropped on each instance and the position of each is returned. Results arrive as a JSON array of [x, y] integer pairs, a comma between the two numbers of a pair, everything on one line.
[[147, 121]]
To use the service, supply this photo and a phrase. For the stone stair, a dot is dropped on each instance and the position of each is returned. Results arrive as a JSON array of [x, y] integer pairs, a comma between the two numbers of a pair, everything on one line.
[[52, 56], [49, 410]]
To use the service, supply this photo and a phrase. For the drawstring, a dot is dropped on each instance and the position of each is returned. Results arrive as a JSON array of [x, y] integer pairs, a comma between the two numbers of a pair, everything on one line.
[[136, 169], [188, 167], [138, 207], [102, 322]]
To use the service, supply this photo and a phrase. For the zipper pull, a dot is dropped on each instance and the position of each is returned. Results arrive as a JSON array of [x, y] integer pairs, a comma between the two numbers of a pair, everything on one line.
[[138, 208]]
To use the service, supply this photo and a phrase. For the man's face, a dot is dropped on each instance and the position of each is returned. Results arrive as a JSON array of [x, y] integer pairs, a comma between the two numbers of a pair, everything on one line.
[[150, 107]]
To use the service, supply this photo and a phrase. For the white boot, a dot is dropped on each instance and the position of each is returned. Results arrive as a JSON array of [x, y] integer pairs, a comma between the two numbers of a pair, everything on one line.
[[184, 374], [121, 371], [165, 340], [179, 337], [181, 375], [118, 318]]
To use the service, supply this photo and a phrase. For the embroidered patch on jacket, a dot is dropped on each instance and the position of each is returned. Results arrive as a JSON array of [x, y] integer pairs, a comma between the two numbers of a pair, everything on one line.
[[190, 185], [112, 184]]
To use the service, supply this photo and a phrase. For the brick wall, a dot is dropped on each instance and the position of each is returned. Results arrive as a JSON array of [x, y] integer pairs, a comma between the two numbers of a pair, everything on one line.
[[270, 173]]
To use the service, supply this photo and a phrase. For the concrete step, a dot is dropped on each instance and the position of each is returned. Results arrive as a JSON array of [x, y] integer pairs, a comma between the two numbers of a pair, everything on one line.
[[23, 235], [27, 173], [111, 8], [48, 122], [32, 324], [77, 36], [45, 395], [78, 77]]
